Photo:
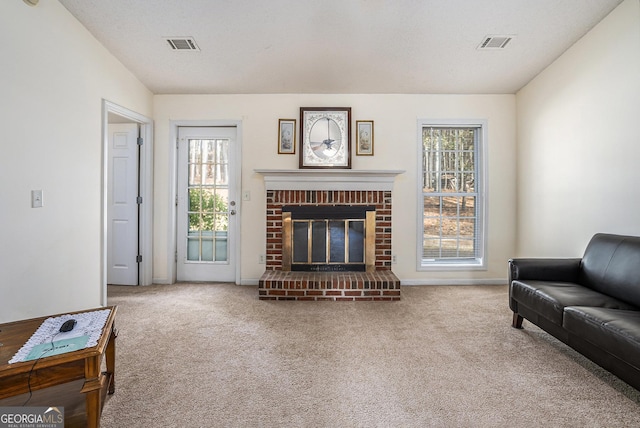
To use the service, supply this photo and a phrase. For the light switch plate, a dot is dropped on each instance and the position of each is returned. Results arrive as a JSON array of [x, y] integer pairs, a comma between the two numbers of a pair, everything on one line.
[[36, 198]]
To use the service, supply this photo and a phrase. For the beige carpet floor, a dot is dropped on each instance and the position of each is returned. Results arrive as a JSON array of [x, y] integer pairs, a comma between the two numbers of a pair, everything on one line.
[[213, 355]]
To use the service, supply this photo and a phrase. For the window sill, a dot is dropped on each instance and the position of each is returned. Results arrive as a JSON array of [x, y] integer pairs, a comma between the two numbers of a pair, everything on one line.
[[451, 266]]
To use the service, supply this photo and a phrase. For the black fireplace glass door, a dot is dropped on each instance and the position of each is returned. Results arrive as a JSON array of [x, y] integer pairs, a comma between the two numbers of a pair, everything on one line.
[[336, 242], [300, 250], [356, 242], [319, 241]]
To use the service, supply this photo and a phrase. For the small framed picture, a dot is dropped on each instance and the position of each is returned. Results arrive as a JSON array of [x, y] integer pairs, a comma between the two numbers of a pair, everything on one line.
[[287, 136], [364, 137]]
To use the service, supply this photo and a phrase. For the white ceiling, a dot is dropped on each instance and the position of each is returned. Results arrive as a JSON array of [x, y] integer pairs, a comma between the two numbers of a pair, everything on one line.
[[337, 46]]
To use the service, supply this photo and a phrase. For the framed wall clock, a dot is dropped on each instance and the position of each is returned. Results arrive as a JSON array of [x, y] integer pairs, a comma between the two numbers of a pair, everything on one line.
[[325, 137]]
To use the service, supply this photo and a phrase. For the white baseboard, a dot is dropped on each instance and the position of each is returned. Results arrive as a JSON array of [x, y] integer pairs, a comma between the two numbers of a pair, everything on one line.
[[162, 281], [415, 282], [490, 281]]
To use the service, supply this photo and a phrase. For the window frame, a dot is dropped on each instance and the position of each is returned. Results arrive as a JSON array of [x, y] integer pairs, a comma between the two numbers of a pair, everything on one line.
[[479, 262]]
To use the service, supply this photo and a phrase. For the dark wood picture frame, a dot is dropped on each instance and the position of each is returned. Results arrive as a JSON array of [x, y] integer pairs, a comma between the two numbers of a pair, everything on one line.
[[325, 137]]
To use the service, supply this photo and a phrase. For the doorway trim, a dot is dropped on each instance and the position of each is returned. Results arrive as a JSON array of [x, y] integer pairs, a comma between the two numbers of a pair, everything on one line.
[[145, 231], [173, 191]]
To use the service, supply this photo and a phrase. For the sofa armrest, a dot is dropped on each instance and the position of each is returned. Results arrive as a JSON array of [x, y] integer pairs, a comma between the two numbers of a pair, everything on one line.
[[545, 269]]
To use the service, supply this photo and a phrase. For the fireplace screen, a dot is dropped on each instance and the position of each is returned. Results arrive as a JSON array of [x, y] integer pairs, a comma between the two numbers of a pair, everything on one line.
[[328, 238], [328, 241]]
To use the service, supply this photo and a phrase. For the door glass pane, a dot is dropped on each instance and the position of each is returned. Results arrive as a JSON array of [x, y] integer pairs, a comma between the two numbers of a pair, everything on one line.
[[222, 162], [194, 174], [207, 247], [208, 201], [207, 221], [195, 202], [194, 222], [221, 246], [193, 247], [221, 175]]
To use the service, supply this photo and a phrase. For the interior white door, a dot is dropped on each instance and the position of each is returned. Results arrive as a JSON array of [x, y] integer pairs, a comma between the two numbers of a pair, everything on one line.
[[207, 208], [122, 204]]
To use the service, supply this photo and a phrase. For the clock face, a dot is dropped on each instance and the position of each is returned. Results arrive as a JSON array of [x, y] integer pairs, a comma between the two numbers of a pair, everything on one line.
[[325, 138]]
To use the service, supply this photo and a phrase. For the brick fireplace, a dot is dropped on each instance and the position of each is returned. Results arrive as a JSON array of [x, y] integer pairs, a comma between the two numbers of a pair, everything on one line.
[[306, 190]]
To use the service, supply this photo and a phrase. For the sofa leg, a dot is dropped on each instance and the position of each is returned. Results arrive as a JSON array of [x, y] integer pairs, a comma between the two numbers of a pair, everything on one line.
[[517, 321]]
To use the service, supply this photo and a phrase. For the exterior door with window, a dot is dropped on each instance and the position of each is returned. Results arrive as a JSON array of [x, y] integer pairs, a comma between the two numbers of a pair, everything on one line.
[[206, 204]]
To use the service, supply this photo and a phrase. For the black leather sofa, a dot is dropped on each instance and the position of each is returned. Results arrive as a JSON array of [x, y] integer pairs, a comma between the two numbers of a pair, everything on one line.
[[591, 303]]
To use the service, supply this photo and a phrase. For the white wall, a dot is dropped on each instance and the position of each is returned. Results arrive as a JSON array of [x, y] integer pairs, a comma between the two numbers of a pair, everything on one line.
[[395, 118], [53, 78], [578, 142]]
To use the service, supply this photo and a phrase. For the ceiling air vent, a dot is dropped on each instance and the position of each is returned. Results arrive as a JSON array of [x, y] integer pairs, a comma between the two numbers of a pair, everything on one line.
[[495, 42], [182, 43]]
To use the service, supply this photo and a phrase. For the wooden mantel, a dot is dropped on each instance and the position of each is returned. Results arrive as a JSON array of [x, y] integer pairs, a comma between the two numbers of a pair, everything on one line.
[[328, 179]]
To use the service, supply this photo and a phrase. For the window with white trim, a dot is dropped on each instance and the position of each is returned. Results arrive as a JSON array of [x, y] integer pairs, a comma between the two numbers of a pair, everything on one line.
[[451, 196]]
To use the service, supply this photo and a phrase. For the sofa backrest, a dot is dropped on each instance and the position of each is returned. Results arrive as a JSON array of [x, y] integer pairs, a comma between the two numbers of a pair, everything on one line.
[[611, 265]]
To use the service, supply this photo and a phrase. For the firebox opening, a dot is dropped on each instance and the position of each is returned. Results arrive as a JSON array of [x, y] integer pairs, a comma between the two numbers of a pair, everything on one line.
[[328, 238]]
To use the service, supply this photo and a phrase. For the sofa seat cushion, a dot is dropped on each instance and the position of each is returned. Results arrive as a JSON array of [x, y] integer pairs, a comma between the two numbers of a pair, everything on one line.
[[616, 331], [549, 298]]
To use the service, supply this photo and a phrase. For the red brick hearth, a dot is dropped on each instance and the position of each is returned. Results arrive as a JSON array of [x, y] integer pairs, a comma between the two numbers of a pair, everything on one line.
[[379, 284]]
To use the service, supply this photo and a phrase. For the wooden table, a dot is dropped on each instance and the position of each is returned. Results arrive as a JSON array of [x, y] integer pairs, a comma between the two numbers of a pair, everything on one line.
[[74, 380]]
